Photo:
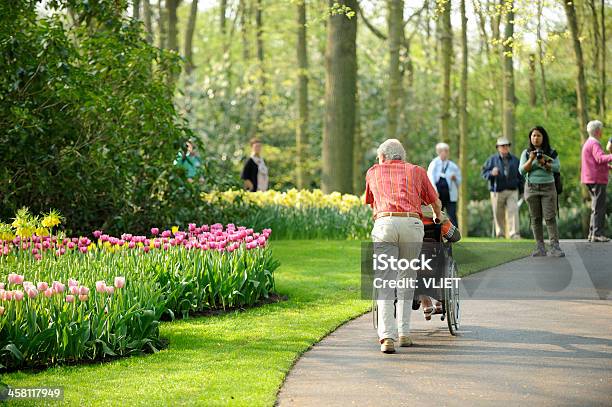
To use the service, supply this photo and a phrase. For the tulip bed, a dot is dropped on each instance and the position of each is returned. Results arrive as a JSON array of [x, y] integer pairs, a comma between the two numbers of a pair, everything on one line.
[[65, 300], [296, 214]]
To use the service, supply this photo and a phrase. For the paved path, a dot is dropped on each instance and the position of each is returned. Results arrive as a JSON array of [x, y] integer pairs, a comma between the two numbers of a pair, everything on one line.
[[510, 352]]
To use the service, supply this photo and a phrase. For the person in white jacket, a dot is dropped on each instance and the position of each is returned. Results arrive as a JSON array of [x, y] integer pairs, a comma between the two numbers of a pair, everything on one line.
[[445, 176]]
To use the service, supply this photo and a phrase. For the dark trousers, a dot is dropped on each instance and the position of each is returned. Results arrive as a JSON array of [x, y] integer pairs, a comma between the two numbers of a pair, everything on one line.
[[598, 209], [451, 210]]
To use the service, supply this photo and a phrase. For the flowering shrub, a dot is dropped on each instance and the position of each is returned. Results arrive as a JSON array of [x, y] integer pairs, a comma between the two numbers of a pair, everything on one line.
[[68, 299], [297, 214]]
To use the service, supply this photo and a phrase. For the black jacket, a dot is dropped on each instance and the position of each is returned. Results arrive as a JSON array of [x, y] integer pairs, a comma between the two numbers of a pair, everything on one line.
[[512, 181], [249, 171]]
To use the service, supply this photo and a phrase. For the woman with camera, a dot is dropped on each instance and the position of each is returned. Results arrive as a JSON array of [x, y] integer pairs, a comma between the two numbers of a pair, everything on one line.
[[537, 165]]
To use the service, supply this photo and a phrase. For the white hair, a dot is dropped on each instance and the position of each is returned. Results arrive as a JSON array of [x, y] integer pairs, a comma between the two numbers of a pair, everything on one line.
[[392, 149], [593, 126], [442, 146]]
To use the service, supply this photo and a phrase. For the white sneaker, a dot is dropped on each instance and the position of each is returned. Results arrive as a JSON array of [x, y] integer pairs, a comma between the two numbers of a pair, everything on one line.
[[405, 341], [387, 346]]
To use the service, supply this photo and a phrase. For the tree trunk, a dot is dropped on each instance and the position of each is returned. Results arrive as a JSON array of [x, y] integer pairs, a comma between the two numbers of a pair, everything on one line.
[[340, 100], [446, 54], [581, 87], [508, 78], [358, 151], [301, 137], [532, 81], [191, 23], [602, 69], [261, 74], [395, 21], [463, 128], [146, 9], [171, 7], [245, 18], [136, 9], [540, 42], [222, 20], [161, 23]]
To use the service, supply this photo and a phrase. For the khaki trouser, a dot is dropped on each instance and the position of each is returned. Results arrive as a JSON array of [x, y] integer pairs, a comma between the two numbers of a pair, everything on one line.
[[542, 201], [505, 205], [388, 235]]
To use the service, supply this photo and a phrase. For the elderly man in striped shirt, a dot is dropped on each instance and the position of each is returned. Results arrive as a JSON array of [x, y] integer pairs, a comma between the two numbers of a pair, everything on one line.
[[396, 190]]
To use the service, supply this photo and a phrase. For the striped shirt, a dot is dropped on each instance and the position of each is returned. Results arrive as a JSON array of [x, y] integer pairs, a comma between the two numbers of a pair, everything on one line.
[[398, 186]]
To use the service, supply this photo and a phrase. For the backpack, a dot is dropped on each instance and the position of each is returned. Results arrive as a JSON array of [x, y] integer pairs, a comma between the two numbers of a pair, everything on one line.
[[443, 187], [557, 176]]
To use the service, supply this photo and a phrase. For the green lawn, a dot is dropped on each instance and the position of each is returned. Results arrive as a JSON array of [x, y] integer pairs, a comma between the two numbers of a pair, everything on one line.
[[241, 358]]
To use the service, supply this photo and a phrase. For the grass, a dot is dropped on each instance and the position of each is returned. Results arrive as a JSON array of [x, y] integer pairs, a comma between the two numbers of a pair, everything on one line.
[[241, 358]]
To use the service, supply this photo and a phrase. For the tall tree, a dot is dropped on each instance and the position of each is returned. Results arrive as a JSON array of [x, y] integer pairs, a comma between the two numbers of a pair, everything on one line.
[[245, 19], [581, 86], [463, 125], [162, 24], [540, 42], [340, 99], [395, 23], [261, 74], [602, 66], [509, 101], [532, 81], [172, 10], [222, 19], [146, 10], [136, 9], [191, 23], [446, 56], [301, 135]]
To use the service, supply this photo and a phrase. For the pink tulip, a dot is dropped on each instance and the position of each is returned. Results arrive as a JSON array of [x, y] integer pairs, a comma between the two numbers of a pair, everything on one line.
[[83, 249], [166, 233], [7, 295], [1, 286], [14, 278], [83, 290], [155, 231], [119, 282], [32, 292], [71, 245], [131, 245], [18, 295], [58, 287], [83, 297], [166, 246], [34, 251], [42, 286], [146, 249], [192, 227], [38, 257], [49, 292], [74, 290], [70, 298], [157, 244], [97, 234], [72, 282], [1, 311], [101, 286], [110, 290]]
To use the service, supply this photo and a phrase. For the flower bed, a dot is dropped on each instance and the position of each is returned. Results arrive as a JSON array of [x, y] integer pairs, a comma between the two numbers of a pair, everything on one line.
[[72, 299], [297, 214]]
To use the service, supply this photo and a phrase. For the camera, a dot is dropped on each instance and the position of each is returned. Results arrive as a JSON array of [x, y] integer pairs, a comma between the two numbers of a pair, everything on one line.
[[539, 154]]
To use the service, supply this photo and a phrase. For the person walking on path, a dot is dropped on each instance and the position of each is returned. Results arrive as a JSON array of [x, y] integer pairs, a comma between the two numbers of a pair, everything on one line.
[[594, 174], [255, 172], [445, 176], [538, 162], [505, 184], [396, 189]]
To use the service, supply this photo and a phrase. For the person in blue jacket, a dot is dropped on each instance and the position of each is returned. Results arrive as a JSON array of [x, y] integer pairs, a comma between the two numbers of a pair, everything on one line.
[[505, 185]]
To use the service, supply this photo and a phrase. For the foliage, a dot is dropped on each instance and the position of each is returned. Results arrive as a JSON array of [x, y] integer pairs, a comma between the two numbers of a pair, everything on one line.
[[87, 121]]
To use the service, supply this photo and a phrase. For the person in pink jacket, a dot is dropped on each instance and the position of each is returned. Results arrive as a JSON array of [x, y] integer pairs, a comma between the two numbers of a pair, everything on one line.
[[594, 174]]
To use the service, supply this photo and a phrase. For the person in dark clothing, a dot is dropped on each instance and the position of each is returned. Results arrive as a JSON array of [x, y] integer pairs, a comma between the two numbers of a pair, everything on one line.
[[255, 173], [505, 182]]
